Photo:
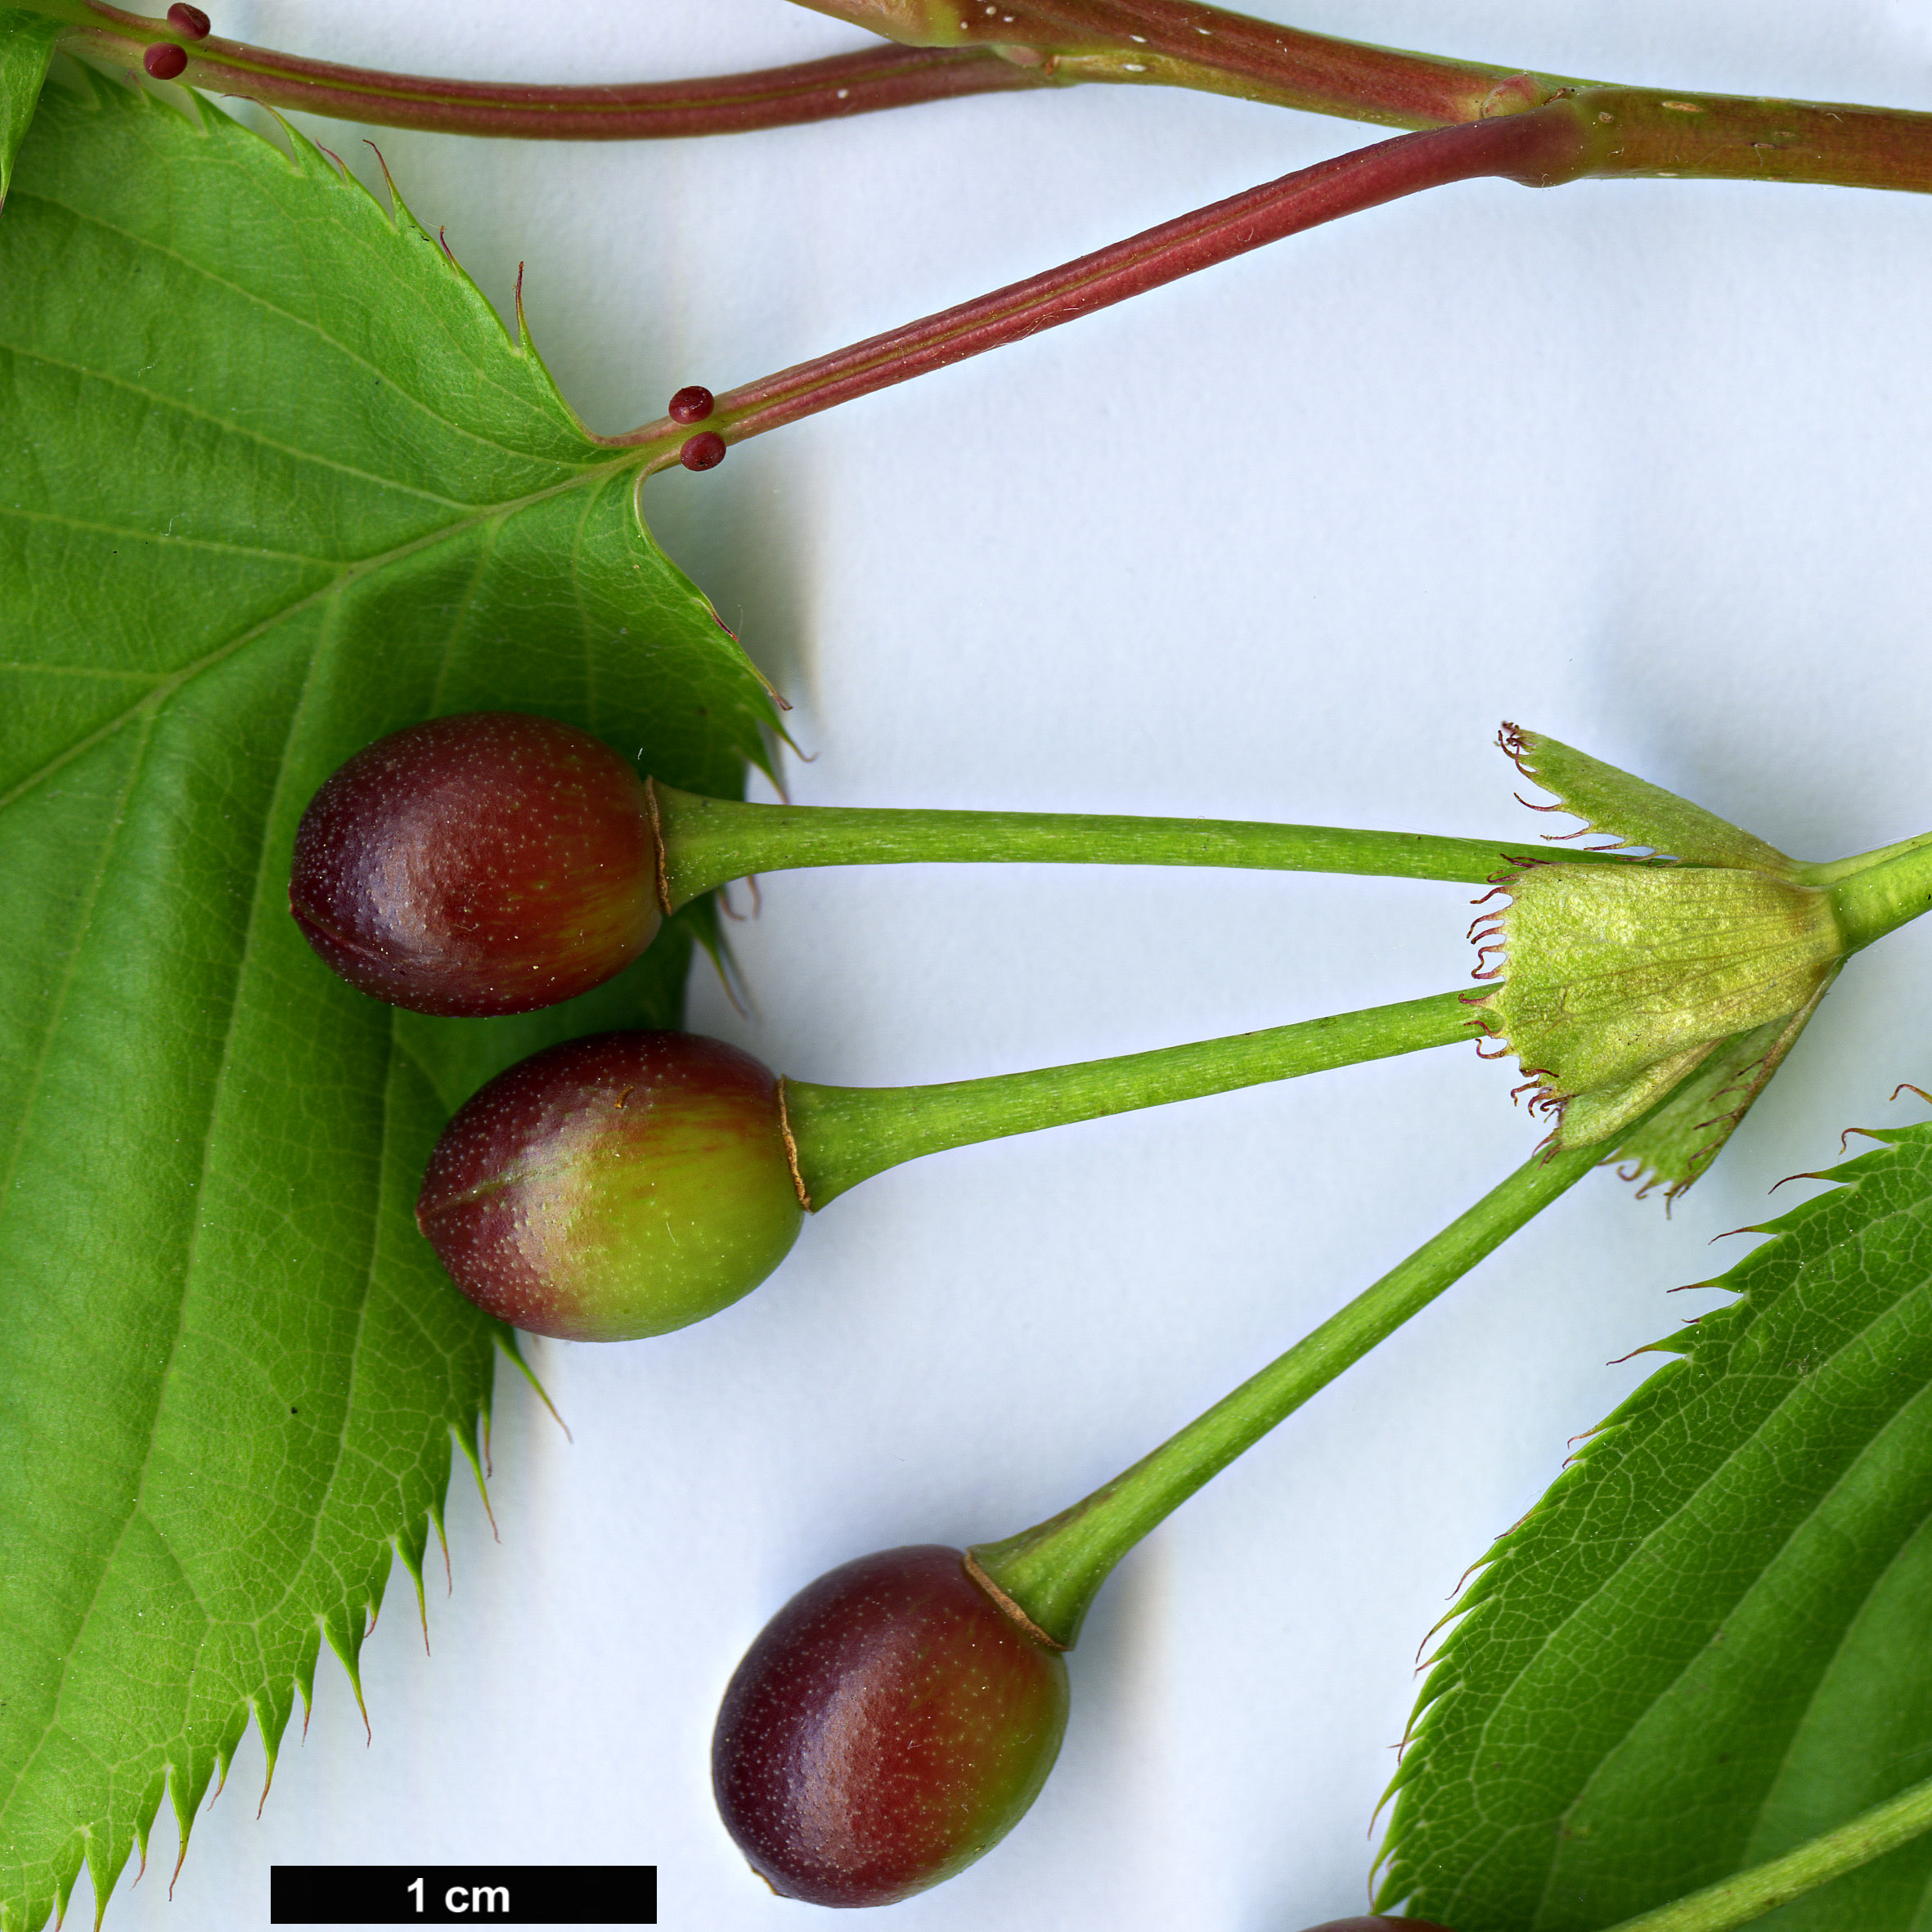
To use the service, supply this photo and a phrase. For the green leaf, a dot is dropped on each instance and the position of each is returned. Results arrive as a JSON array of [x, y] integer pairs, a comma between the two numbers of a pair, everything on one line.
[[26, 48], [275, 481], [1713, 1639]]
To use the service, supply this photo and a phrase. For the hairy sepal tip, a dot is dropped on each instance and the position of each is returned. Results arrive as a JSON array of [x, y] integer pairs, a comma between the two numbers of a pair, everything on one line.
[[1676, 985]]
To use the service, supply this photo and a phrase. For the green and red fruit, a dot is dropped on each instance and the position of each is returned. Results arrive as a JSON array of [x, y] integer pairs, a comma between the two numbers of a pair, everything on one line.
[[614, 1187], [890, 1724], [487, 863]]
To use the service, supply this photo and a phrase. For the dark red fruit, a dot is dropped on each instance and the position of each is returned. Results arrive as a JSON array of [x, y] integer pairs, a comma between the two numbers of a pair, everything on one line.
[[705, 451], [165, 61], [691, 404], [190, 21], [487, 864], [614, 1186], [889, 1725], [1378, 1925]]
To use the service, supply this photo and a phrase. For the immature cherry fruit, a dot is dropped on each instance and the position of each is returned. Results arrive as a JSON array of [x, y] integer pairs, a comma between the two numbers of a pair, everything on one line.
[[892, 1721], [618, 1186], [628, 1183], [926, 1714], [495, 863], [1377, 1922], [488, 863]]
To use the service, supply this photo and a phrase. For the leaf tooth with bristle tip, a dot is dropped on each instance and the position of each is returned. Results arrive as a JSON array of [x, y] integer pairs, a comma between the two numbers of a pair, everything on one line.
[[226, 1743], [436, 1523], [306, 1659], [273, 1705], [507, 1340], [190, 1771], [146, 1810], [345, 1629], [376, 1588], [476, 1455], [68, 1877], [307, 156], [413, 1543]]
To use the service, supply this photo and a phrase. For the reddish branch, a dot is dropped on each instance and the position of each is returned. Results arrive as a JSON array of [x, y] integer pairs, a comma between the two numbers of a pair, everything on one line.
[[735, 103], [1181, 43], [951, 51], [1538, 148]]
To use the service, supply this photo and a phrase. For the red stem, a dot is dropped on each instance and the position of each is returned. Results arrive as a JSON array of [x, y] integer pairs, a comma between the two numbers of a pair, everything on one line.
[[1183, 43], [1538, 149], [1329, 75], [731, 104]]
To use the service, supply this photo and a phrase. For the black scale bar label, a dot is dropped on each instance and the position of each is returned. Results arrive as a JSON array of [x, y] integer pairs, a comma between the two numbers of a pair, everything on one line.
[[463, 1894]]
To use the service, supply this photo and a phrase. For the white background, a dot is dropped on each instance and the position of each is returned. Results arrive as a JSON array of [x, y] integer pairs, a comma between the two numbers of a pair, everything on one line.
[[1639, 465]]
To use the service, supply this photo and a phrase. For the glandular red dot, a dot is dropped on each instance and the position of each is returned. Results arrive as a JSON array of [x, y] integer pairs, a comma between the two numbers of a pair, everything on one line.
[[190, 21], [165, 61], [692, 404], [704, 451]]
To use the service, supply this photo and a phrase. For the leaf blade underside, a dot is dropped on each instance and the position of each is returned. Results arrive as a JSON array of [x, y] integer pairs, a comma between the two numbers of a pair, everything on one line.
[[275, 481], [1710, 1641]]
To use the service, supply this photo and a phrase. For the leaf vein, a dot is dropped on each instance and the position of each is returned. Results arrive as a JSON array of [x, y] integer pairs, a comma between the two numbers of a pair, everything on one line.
[[494, 513], [227, 426], [19, 195], [133, 536]]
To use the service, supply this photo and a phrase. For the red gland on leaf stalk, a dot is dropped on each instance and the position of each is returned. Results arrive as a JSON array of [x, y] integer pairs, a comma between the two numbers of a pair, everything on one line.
[[615, 1186], [891, 1723], [491, 863], [705, 451]]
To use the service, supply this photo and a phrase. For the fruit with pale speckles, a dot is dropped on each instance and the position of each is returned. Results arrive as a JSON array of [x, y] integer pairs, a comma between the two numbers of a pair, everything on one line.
[[614, 1187], [486, 864], [890, 1724]]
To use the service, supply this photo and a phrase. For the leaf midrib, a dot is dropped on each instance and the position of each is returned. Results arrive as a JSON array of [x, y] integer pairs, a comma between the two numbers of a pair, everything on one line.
[[57, 1006], [197, 1224], [53, 1705]]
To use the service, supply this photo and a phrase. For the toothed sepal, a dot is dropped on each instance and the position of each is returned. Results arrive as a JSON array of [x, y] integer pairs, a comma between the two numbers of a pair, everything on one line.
[[1631, 813], [1675, 1146], [1625, 981]]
